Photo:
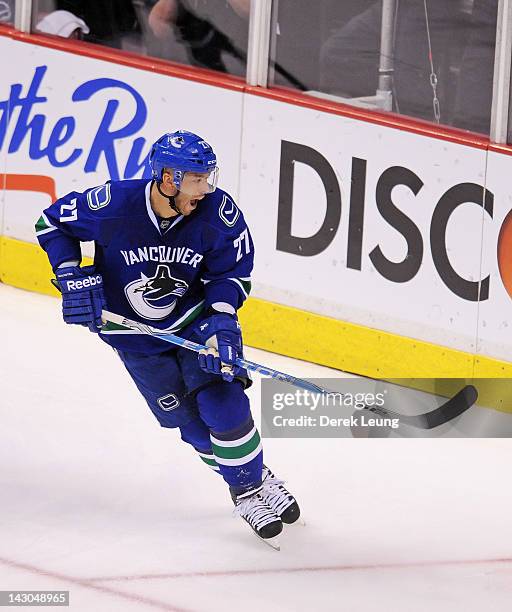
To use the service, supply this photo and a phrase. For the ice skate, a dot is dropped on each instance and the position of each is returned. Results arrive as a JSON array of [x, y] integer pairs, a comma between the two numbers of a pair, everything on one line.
[[279, 499], [263, 520]]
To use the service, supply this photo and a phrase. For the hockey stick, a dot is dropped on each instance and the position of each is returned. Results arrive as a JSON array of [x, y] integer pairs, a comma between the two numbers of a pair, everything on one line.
[[194, 346], [451, 409]]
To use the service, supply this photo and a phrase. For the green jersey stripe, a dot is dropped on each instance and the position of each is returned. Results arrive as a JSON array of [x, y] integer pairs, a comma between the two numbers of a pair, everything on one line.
[[43, 226]]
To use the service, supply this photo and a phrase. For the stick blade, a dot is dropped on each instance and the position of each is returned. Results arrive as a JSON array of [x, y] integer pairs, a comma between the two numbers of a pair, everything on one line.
[[451, 409]]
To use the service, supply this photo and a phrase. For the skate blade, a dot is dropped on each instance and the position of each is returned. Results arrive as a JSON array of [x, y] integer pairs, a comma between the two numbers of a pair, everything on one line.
[[272, 542]]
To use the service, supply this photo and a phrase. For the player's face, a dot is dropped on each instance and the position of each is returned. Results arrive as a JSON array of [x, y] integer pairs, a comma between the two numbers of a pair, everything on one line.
[[185, 205], [194, 186]]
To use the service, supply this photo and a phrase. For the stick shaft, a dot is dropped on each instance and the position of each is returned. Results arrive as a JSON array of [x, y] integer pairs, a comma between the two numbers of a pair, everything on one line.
[[194, 346], [452, 408]]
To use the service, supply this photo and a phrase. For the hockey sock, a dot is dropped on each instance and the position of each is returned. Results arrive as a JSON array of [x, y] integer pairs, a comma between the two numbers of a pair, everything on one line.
[[239, 455], [235, 441], [209, 459], [197, 434]]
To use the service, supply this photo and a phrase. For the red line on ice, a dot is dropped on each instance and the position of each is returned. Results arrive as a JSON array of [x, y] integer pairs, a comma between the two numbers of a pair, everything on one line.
[[292, 570], [87, 584]]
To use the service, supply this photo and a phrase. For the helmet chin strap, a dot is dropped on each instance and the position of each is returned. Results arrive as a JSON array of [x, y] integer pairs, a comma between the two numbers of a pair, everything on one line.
[[172, 201]]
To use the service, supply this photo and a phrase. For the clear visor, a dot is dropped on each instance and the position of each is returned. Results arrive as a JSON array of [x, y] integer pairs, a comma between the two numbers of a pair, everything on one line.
[[197, 184]]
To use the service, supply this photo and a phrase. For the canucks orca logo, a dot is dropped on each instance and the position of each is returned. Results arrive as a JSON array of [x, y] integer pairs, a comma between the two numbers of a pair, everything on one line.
[[156, 297]]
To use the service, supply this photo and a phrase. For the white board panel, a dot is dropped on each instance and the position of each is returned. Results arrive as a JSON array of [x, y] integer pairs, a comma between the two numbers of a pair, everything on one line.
[[364, 158], [81, 121]]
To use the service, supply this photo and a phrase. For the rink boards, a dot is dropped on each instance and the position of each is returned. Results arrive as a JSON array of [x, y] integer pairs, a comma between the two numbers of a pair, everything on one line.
[[384, 246]]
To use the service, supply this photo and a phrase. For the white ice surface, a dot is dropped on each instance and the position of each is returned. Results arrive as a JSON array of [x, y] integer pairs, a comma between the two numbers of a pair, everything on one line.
[[95, 498]]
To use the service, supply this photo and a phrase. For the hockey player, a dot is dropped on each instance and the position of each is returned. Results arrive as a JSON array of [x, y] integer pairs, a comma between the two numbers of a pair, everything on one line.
[[174, 252]]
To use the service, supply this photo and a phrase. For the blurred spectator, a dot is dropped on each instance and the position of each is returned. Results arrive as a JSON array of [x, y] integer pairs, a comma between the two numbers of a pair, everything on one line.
[[209, 31], [109, 20], [350, 57], [6, 11], [64, 24], [474, 92]]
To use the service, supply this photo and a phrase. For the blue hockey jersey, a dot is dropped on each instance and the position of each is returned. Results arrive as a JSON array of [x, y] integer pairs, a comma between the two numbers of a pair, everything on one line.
[[165, 278]]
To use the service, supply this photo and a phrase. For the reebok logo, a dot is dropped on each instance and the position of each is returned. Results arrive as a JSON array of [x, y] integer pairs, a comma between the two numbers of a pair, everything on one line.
[[90, 281]]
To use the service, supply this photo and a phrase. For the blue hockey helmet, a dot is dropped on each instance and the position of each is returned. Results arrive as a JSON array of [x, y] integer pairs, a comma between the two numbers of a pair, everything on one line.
[[182, 152]]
